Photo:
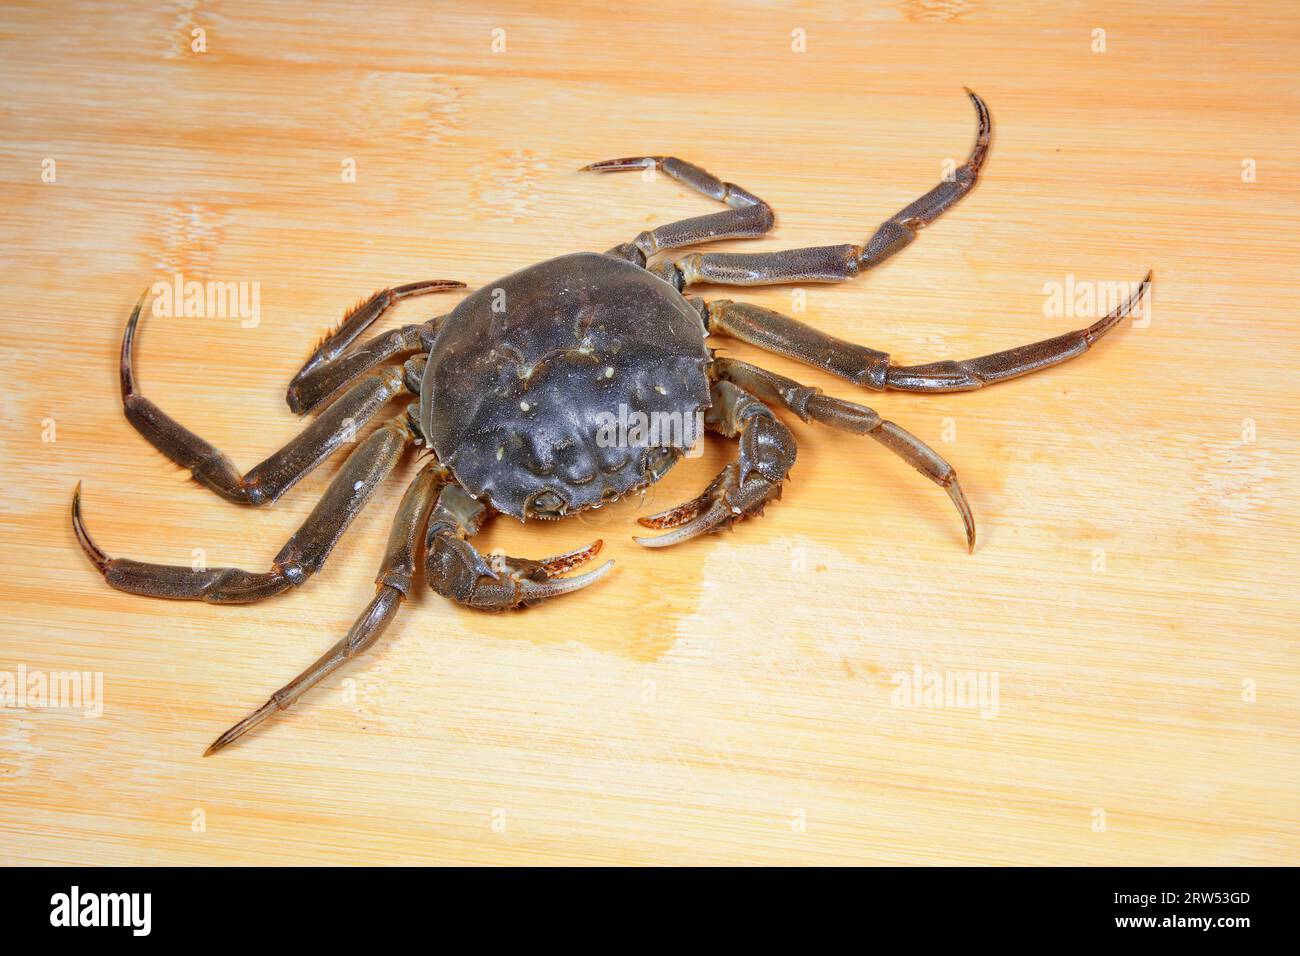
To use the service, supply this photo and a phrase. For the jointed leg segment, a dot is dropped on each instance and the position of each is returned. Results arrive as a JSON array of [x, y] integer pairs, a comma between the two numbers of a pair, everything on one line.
[[440, 518], [266, 482], [811, 405], [835, 263], [393, 586], [442, 515], [747, 218], [328, 369], [867, 367], [968, 374], [302, 556]]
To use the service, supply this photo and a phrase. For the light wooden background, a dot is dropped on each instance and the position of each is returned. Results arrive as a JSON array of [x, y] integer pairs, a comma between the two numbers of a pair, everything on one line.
[[728, 701]]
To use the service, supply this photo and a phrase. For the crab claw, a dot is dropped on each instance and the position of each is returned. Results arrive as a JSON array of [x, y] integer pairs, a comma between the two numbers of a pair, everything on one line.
[[701, 522], [532, 590], [538, 580], [524, 568], [677, 515], [560, 563], [516, 581], [496, 582], [690, 518], [729, 497], [745, 486]]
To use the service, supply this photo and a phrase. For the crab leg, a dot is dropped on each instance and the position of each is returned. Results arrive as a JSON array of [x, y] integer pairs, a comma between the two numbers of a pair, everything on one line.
[[393, 587], [742, 488], [867, 367], [811, 405], [327, 369], [302, 556], [265, 482], [747, 218], [456, 569], [835, 263]]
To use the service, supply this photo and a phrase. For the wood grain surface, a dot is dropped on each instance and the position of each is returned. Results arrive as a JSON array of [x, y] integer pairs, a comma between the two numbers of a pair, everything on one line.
[[738, 699]]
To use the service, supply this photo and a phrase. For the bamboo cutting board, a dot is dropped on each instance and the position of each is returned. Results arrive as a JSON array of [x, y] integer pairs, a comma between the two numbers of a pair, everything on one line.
[[744, 698]]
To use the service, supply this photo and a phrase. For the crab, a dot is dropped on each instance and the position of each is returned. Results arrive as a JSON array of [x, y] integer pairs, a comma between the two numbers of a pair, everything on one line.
[[517, 388]]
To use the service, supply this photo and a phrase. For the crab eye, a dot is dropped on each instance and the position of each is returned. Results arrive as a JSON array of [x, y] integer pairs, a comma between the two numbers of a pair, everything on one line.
[[659, 460], [547, 504]]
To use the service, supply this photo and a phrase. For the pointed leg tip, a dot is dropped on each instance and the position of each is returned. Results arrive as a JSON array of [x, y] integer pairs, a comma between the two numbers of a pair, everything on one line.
[[224, 741], [243, 727], [221, 741], [620, 165], [958, 497], [139, 307], [97, 557]]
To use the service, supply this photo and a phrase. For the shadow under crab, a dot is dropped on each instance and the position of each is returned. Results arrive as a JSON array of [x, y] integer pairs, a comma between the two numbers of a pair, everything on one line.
[[517, 385]]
